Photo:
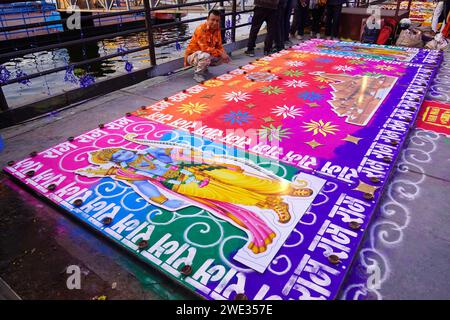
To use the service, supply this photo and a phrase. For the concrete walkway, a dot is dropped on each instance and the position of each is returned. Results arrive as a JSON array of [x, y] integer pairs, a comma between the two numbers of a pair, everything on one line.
[[409, 241]]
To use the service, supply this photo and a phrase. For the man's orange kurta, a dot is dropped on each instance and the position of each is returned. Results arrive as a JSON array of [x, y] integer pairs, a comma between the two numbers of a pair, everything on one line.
[[206, 40]]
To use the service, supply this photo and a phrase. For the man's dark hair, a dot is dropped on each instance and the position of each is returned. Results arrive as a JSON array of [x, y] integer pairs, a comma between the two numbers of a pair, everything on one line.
[[214, 12]]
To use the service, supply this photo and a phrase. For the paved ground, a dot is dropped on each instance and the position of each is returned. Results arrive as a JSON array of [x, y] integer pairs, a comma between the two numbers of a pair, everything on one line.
[[409, 241]]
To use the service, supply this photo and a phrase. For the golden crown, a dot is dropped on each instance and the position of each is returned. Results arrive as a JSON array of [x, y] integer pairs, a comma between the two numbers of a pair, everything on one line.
[[103, 156]]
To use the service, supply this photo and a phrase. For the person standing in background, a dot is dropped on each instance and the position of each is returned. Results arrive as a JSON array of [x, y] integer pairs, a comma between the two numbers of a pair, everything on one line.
[[264, 11], [334, 9], [294, 24], [317, 8], [302, 16]]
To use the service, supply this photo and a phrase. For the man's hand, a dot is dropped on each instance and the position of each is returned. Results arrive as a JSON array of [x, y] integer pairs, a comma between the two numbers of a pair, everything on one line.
[[225, 57]]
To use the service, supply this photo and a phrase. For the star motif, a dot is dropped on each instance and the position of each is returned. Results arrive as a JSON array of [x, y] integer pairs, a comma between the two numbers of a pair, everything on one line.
[[313, 105], [314, 144], [268, 119], [250, 105], [352, 139], [208, 96], [366, 188]]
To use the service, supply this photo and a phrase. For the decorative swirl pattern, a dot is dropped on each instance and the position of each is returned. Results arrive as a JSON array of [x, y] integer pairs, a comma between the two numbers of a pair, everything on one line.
[[159, 213], [142, 127], [74, 160], [307, 214], [294, 234], [322, 195]]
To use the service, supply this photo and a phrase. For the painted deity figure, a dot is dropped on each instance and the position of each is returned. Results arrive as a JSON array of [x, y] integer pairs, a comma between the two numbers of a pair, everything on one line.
[[163, 176], [358, 97]]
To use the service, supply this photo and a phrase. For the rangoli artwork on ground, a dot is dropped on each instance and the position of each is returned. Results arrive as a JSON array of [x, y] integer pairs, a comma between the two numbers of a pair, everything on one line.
[[256, 184]]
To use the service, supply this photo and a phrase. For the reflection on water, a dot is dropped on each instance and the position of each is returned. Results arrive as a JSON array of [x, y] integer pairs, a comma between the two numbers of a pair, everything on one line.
[[42, 87]]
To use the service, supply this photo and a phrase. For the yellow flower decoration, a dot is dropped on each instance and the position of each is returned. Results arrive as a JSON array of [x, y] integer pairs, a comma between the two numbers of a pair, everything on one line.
[[213, 83], [192, 108], [320, 127]]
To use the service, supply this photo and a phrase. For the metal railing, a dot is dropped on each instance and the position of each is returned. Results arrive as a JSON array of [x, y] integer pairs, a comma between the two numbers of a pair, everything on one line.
[[149, 27]]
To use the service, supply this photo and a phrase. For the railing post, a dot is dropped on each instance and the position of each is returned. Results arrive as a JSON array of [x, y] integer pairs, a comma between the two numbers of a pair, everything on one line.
[[148, 25], [3, 102], [233, 21]]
